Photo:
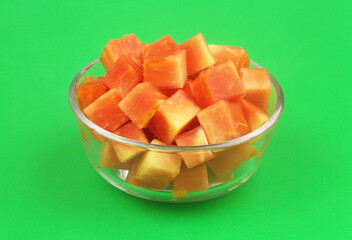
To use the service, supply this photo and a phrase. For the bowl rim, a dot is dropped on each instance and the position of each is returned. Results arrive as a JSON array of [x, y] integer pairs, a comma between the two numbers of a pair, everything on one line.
[[234, 142]]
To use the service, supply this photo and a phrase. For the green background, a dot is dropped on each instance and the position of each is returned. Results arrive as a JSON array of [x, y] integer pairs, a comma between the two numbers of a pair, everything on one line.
[[49, 190]]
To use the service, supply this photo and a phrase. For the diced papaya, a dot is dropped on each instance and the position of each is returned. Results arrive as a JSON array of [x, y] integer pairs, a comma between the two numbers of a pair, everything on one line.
[[158, 169], [254, 115], [131, 177], [90, 90], [217, 83], [162, 45], [141, 103], [105, 112], [213, 179], [198, 54], [223, 121], [257, 84], [191, 180], [227, 161], [123, 75], [124, 151], [187, 88], [108, 158], [194, 137], [237, 55], [172, 116], [166, 70], [128, 45]]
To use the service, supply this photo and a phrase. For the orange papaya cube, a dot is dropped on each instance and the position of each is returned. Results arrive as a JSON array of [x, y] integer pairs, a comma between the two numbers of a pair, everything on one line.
[[194, 137], [223, 121], [191, 180], [158, 169], [131, 177], [198, 54], [108, 158], [254, 115], [257, 83], [228, 160], [141, 103], [213, 179], [187, 88], [166, 70], [164, 44], [217, 83], [90, 90], [172, 116], [105, 111], [124, 151], [128, 45], [123, 75], [237, 55], [145, 44]]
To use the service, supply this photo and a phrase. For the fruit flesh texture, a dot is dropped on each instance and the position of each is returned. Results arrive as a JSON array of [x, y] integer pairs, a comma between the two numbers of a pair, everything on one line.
[[126, 152], [194, 137], [198, 54], [213, 179], [105, 112], [158, 169], [172, 116], [141, 103], [217, 83], [257, 84], [191, 180], [166, 70], [108, 158], [254, 115], [162, 45], [237, 55], [128, 45], [223, 121], [131, 177], [90, 90], [123, 75], [227, 161]]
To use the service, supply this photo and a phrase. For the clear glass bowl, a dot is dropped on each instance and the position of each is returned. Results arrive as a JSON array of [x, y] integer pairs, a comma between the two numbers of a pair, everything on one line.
[[231, 153]]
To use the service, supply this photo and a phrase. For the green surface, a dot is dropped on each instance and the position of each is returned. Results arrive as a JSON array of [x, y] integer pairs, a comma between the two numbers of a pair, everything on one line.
[[49, 190]]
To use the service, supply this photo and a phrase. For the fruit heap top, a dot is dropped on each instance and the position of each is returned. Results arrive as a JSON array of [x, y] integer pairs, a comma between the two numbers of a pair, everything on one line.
[[187, 94]]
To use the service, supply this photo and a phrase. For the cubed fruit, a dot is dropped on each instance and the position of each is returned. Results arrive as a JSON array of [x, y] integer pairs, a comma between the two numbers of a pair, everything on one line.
[[164, 44], [128, 44], [131, 177], [90, 90], [191, 180], [198, 54], [123, 75], [213, 179], [254, 115], [187, 88], [124, 151], [166, 70], [237, 55], [105, 112], [141, 103], [227, 161], [194, 137], [217, 83], [257, 83], [223, 121], [145, 44], [172, 116], [108, 158], [158, 169]]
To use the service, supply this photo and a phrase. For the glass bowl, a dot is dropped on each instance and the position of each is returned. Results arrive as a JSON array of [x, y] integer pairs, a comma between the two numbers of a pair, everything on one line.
[[242, 155]]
